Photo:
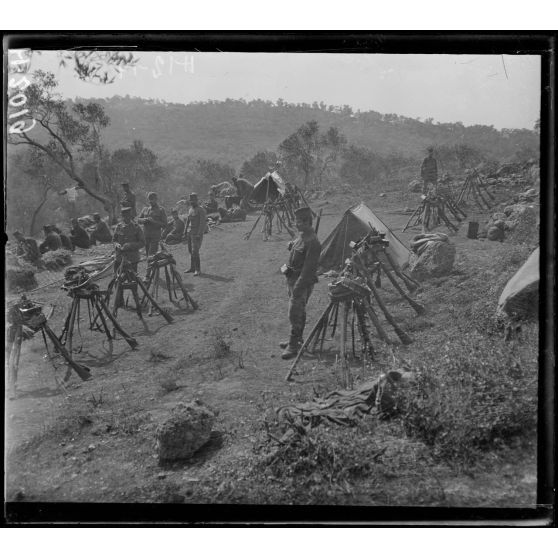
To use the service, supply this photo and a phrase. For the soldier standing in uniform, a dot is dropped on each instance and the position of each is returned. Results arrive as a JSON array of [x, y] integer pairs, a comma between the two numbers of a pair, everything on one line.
[[429, 171], [154, 221], [196, 225], [128, 199], [128, 240], [301, 274]]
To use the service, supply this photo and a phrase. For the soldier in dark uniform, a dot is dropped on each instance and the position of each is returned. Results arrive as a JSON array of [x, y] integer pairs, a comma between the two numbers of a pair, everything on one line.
[[154, 221], [243, 190], [429, 171], [27, 248], [174, 233], [196, 225], [128, 198], [78, 235], [128, 240], [52, 240], [301, 274], [100, 233]]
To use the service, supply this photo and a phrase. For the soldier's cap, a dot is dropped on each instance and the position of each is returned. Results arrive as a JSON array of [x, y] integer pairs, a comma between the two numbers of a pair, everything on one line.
[[96, 216], [430, 150], [303, 213], [125, 210], [193, 196], [125, 184], [151, 195]]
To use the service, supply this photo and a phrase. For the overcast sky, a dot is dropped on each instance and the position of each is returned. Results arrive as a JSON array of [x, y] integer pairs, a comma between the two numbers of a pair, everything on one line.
[[475, 89]]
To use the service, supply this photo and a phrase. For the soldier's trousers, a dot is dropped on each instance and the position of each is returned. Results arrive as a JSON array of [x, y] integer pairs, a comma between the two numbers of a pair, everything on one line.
[[297, 311], [194, 245], [151, 245]]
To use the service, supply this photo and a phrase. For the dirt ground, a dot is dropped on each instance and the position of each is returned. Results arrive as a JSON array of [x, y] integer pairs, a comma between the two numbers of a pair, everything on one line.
[[94, 441]]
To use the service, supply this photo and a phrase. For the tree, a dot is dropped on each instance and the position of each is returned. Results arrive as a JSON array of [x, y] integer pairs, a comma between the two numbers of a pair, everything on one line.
[[258, 165], [66, 134], [361, 166], [311, 153]]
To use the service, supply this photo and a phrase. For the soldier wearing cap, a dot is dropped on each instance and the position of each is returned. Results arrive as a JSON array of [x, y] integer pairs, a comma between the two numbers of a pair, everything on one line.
[[429, 171], [128, 240], [301, 274], [128, 198], [174, 233], [100, 233], [154, 221], [196, 225]]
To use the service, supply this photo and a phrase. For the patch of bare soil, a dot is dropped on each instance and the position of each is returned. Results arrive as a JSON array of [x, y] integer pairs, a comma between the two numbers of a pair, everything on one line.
[[94, 441]]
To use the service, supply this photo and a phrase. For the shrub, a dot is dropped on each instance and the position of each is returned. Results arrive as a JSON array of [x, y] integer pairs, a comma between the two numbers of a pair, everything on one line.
[[474, 394]]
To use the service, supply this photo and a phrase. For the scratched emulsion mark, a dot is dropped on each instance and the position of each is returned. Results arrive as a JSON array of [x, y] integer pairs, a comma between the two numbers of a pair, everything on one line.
[[165, 63], [20, 120]]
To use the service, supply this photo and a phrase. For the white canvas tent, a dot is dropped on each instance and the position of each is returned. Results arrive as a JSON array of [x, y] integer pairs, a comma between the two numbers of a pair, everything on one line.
[[520, 297], [354, 225]]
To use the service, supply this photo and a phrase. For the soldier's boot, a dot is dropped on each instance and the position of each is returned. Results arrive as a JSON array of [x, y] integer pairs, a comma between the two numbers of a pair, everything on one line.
[[192, 266], [197, 270], [292, 348]]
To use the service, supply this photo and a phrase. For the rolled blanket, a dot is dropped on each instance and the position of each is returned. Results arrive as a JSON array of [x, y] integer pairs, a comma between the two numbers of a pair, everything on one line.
[[420, 241]]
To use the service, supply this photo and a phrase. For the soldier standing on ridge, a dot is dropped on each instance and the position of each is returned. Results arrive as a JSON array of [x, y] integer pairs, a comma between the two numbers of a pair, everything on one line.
[[301, 274], [429, 171], [128, 198], [154, 221], [196, 225], [128, 239]]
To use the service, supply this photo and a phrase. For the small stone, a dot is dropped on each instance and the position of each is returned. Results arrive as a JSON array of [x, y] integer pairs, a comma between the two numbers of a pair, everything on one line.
[[91, 447], [272, 356], [162, 476]]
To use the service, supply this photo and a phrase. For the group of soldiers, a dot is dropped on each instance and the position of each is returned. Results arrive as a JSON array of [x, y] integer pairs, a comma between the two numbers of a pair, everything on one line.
[[151, 226]]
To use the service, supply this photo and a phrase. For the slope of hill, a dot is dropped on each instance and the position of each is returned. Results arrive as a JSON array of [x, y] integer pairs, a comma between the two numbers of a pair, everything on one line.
[[233, 131]]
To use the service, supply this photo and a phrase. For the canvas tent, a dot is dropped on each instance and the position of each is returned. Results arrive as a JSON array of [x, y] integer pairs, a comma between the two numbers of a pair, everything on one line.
[[270, 186], [354, 225], [520, 297]]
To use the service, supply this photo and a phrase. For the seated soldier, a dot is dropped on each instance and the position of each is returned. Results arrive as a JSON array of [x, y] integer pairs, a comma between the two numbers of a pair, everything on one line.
[[211, 206], [27, 248], [174, 233], [78, 235], [64, 239], [100, 232], [52, 240]]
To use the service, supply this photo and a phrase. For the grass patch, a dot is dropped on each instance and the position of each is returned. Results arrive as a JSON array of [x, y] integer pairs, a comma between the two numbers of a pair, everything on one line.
[[472, 394]]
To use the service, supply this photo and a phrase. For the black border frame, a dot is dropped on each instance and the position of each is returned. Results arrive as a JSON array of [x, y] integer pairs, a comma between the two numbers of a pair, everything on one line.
[[490, 42]]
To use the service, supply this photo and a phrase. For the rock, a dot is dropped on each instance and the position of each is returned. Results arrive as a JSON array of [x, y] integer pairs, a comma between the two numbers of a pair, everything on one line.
[[186, 430], [523, 224], [436, 260], [495, 233]]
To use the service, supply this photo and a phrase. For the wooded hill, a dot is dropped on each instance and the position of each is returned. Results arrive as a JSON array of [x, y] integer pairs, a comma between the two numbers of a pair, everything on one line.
[[235, 130]]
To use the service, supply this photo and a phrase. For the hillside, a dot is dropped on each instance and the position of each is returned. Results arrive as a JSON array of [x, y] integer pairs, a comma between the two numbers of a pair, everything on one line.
[[233, 131]]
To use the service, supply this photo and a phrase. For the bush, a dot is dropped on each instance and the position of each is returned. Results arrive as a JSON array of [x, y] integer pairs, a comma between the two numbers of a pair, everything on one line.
[[474, 394]]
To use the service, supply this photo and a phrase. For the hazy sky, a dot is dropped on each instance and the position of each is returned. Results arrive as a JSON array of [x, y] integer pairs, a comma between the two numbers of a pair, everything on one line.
[[473, 89]]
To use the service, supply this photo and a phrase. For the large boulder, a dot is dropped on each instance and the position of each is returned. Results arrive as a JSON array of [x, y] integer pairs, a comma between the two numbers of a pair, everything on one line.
[[522, 224], [184, 431], [434, 259]]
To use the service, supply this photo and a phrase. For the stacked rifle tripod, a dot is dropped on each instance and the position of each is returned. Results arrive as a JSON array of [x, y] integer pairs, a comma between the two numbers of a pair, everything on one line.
[[353, 297], [279, 212], [433, 211], [475, 188], [25, 318]]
